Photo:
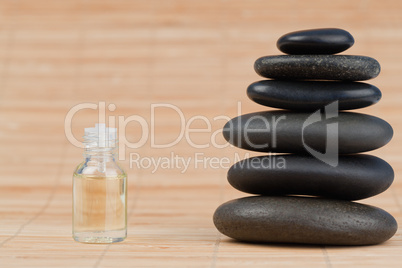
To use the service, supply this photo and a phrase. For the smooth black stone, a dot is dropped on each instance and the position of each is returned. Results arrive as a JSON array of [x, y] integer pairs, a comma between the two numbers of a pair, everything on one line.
[[304, 220], [316, 41], [281, 132], [322, 67], [313, 95], [355, 177]]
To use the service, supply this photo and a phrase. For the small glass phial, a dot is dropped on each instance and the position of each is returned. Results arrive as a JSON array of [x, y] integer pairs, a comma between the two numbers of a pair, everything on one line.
[[100, 190]]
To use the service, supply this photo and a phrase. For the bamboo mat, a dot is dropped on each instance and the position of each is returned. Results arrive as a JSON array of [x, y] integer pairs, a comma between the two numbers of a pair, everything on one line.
[[195, 55]]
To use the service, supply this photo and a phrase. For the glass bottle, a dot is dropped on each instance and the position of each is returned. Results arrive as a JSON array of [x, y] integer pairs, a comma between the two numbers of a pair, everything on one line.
[[100, 190]]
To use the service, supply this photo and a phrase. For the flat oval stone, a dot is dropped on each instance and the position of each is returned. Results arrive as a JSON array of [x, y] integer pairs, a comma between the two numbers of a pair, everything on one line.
[[305, 220], [355, 177], [313, 95], [321, 67], [316, 41], [298, 132]]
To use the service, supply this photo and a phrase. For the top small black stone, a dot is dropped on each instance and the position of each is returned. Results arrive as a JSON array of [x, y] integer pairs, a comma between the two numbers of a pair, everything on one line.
[[315, 41]]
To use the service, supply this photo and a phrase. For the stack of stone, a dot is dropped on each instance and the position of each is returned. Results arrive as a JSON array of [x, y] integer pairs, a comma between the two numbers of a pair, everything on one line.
[[305, 195]]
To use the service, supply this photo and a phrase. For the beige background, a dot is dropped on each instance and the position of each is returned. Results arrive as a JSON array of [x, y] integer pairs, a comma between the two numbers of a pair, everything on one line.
[[196, 55]]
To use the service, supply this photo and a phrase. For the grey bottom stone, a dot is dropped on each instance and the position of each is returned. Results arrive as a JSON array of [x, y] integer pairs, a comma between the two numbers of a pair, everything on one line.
[[304, 220]]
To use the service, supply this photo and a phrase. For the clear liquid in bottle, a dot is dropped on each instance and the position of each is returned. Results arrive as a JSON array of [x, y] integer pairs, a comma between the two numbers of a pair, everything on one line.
[[99, 209]]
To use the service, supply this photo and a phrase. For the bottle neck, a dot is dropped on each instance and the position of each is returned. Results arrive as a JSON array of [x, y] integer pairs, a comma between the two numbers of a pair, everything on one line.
[[100, 153], [100, 148]]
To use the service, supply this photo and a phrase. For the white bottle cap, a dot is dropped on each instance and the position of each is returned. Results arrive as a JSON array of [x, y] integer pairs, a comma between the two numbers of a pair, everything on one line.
[[106, 137]]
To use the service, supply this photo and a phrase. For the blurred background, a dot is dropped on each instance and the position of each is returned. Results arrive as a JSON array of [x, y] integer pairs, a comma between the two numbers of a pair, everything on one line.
[[195, 55]]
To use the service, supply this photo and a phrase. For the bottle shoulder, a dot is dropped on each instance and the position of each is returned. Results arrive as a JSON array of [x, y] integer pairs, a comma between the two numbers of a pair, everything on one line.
[[92, 167]]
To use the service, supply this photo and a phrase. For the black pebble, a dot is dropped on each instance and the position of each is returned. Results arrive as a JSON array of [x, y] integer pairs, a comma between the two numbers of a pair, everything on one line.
[[313, 95], [304, 220], [284, 131], [321, 67], [316, 41], [355, 177]]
